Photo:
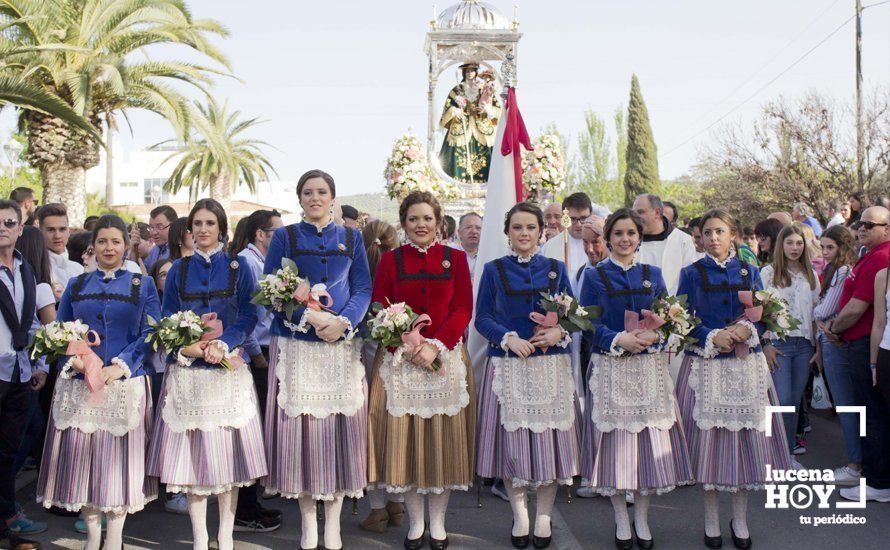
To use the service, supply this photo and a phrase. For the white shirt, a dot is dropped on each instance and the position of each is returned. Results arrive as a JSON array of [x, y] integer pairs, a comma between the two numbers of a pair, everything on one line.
[[837, 219], [555, 249], [62, 268], [800, 297], [671, 254]]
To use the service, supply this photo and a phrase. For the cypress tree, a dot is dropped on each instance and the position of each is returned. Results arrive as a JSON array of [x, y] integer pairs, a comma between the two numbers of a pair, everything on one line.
[[642, 158]]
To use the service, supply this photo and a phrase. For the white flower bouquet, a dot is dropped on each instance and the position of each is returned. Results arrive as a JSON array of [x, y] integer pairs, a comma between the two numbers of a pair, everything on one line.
[[678, 321], [398, 325], [774, 312], [184, 328], [286, 292], [408, 169], [565, 311], [52, 340], [543, 168]]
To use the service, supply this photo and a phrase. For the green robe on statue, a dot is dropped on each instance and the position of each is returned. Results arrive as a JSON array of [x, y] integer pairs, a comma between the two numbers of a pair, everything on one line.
[[470, 119]]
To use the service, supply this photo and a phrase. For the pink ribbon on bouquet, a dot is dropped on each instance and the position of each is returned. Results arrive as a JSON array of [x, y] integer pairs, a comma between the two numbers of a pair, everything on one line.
[[413, 339], [92, 364], [649, 321], [543, 322], [210, 321], [752, 313], [303, 294]]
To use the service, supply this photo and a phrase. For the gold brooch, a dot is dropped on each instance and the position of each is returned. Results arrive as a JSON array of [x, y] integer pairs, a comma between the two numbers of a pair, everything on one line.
[[743, 271], [647, 284], [234, 264], [552, 274], [341, 247], [137, 281], [446, 264]]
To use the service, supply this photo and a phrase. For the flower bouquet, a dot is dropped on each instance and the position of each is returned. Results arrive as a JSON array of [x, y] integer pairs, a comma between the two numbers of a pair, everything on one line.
[[71, 338], [408, 169], [565, 311], [398, 325], [678, 321], [767, 306], [185, 328], [286, 292], [543, 168]]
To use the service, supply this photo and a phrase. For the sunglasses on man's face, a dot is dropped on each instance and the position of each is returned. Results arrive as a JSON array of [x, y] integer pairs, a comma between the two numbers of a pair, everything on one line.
[[10, 223], [870, 225]]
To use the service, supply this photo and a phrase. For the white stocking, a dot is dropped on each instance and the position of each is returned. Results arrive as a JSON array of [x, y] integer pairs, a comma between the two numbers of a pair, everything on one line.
[[414, 504], [228, 502], [622, 521], [395, 497], [114, 534], [198, 515], [377, 498], [93, 518], [712, 513], [332, 508], [309, 536], [740, 513], [641, 515], [519, 504], [543, 509], [438, 507]]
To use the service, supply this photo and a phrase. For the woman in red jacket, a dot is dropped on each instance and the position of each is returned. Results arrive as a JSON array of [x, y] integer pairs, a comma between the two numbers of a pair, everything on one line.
[[422, 421]]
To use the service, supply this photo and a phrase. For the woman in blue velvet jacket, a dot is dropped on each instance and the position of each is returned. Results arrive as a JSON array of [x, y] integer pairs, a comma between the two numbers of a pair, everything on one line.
[[209, 438], [94, 456]]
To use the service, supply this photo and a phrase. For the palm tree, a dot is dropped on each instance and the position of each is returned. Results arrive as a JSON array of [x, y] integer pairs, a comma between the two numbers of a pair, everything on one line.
[[217, 155], [93, 55]]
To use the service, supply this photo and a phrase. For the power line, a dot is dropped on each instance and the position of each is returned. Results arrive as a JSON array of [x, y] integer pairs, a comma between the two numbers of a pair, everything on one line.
[[764, 65], [765, 86]]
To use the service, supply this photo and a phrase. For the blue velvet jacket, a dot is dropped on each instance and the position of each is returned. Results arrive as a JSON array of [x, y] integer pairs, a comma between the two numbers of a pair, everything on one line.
[[509, 291], [713, 296], [221, 285], [333, 255], [616, 290], [117, 308]]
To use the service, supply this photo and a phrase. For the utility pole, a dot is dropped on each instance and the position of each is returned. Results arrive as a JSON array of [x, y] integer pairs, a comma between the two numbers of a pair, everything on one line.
[[859, 139]]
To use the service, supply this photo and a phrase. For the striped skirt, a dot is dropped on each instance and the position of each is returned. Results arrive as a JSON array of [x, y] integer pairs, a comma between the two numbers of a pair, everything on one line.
[[727, 460], [526, 458], [308, 456], [97, 470], [410, 453], [651, 461], [206, 462]]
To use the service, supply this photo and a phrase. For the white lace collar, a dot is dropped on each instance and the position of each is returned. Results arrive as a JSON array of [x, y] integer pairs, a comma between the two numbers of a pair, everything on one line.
[[319, 227], [110, 274], [208, 255], [621, 265], [421, 249], [725, 262], [524, 259]]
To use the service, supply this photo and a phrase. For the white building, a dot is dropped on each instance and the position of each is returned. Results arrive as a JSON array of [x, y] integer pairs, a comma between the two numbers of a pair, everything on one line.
[[139, 178]]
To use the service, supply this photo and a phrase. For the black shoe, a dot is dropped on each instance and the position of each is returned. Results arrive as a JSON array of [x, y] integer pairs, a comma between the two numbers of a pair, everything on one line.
[[713, 542], [436, 544], [742, 544], [12, 542], [270, 513], [257, 524], [644, 544], [414, 544], [518, 542], [623, 544]]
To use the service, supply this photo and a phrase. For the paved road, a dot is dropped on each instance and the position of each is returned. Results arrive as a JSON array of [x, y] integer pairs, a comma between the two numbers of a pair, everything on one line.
[[676, 519]]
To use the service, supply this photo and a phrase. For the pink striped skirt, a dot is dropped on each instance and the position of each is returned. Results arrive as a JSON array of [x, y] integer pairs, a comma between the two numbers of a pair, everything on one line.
[[206, 462], [651, 461], [526, 458], [727, 460], [320, 458], [97, 470]]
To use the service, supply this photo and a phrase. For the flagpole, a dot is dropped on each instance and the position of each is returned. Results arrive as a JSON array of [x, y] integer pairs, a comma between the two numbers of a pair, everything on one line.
[[566, 224]]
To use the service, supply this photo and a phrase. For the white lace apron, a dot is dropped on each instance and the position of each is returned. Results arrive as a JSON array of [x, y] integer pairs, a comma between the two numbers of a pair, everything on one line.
[[120, 410], [730, 393], [319, 378], [536, 393], [632, 393], [207, 399], [422, 392]]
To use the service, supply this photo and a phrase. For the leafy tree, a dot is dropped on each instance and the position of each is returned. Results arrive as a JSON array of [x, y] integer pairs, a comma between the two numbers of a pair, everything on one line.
[[217, 155], [593, 163], [94, 55], [642, 160]]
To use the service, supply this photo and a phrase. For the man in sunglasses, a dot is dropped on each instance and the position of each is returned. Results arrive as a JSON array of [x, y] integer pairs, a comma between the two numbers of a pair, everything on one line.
[[19, 375], [851, 330]]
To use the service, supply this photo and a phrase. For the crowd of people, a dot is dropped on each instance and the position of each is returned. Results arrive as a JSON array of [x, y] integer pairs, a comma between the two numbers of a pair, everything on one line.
[[319, 412]]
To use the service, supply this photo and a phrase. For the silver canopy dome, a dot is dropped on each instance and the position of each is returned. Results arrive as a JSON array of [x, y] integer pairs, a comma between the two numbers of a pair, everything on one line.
[[472, 15]]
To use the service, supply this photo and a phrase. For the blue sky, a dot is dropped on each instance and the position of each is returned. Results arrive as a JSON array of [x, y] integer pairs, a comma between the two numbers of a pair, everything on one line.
[[338, 81]]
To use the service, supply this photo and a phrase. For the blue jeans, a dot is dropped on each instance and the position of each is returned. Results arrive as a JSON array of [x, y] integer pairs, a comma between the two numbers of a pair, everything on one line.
[[840, 377], [791, 378]]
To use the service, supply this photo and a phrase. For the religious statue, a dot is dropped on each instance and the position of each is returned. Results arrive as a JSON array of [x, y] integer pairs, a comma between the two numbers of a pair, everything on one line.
[[470, 120]]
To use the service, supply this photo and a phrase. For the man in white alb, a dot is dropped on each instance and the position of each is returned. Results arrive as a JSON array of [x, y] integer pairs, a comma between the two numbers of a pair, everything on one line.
[[662, 246]]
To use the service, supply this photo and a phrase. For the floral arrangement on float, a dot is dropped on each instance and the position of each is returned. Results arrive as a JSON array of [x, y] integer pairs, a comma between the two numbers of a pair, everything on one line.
[[543, 168], [408, 169]]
